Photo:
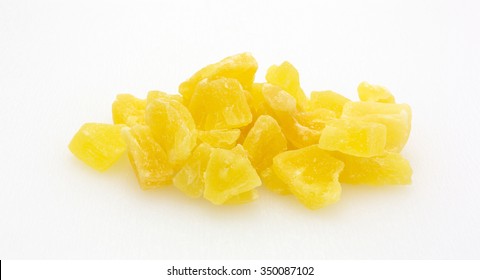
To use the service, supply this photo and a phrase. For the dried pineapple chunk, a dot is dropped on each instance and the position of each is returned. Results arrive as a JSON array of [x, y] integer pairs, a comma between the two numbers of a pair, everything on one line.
[[388, 169], [315, 119], [327, 100], [373, 93], [354, 137], [127, 109], [173, 128], [396, 117], [98, 145], [228, 174], [241, 67], [272, 182], [286, 76], [220, 104], [148, 159], [243, 198], [155, 94], [311, 175], [220, 138]]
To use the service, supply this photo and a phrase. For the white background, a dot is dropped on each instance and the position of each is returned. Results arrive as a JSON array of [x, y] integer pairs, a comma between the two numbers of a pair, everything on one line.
[[61, 64]]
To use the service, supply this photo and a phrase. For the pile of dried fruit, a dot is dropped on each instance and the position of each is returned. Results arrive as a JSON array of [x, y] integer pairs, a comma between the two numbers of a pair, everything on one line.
[[225, 135]]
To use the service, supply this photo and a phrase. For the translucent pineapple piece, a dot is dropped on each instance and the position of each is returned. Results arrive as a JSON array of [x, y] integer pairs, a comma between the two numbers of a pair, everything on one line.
[[311, 175], [190, 179], [154, 94], [354, 137], [374, 93], [173, 128], [98, 145], [220, 138], [327, 100], [282, 107], [315, 119], [241, 67], [264, 141], [396, 117], [228, 174], [286, 76], [272, 182], [220, 104], [243, 198], [147, 157], [388, 169], [127, 109]]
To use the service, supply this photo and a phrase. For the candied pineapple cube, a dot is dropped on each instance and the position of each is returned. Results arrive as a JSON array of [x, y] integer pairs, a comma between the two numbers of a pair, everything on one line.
[[388, 169], [127, 109], [98, 145], [327, 100], [272, 182], [396, 117], [147, 157], [286, 76], [243, 198], [220, 138], [241, 67], [228, 174], [155, 94], [173, 128], [315, 119], [220, 104], [374, 93], [311, 175], [354, 137]]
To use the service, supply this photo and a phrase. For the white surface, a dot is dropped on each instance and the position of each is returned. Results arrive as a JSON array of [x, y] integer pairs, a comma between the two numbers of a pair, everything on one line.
[[61, 64]]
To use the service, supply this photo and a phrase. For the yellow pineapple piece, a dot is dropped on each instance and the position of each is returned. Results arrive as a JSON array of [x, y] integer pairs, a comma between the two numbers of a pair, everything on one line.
[[315, 119], [98, 145], [127, 109], [220, 138], [154, 94], [241, 67], [220, 104], [264, 141], [243, 198], [173, 128], [286, 76], [396, 117], [272, 182], [228, 174], [388, 169], [374, 93], [147, 157], [354, 137], [190, 179], [282, 107], [327, 100], [311, 175]]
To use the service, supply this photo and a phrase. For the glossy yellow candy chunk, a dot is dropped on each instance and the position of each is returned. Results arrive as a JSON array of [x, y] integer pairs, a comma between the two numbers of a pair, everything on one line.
[[155, 94], [221, 138], [127, 109], [327, 100], [190, 179], [272, 182], [148, 159], [264, 141], [98, 145], [220, 104], [173, 128], [354, 137], [241, 67], [373, 93], [228, 174], [316, 119], [396, 117], [286, 76], [311, 175], [388, 169]]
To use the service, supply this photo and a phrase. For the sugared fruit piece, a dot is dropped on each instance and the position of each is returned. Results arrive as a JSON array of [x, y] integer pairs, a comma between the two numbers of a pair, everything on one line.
[[220, 138], [327, 100], [374, 93], [286, 76], [127, 109]]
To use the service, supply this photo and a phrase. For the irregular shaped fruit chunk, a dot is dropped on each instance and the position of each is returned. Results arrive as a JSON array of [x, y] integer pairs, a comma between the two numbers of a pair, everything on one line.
[[98, 145], [190, 179], [220, 104], [311, 175], [127, 109], [272, 182], [241, 67], [354, 137], [315, 119], [396, 117], [286, 76], [388, 169], [264, 141], [373, 93], [154, 94], [221, 138], [228, 174], [243, 198], [148, 159], [327, 100], [173, 127]]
